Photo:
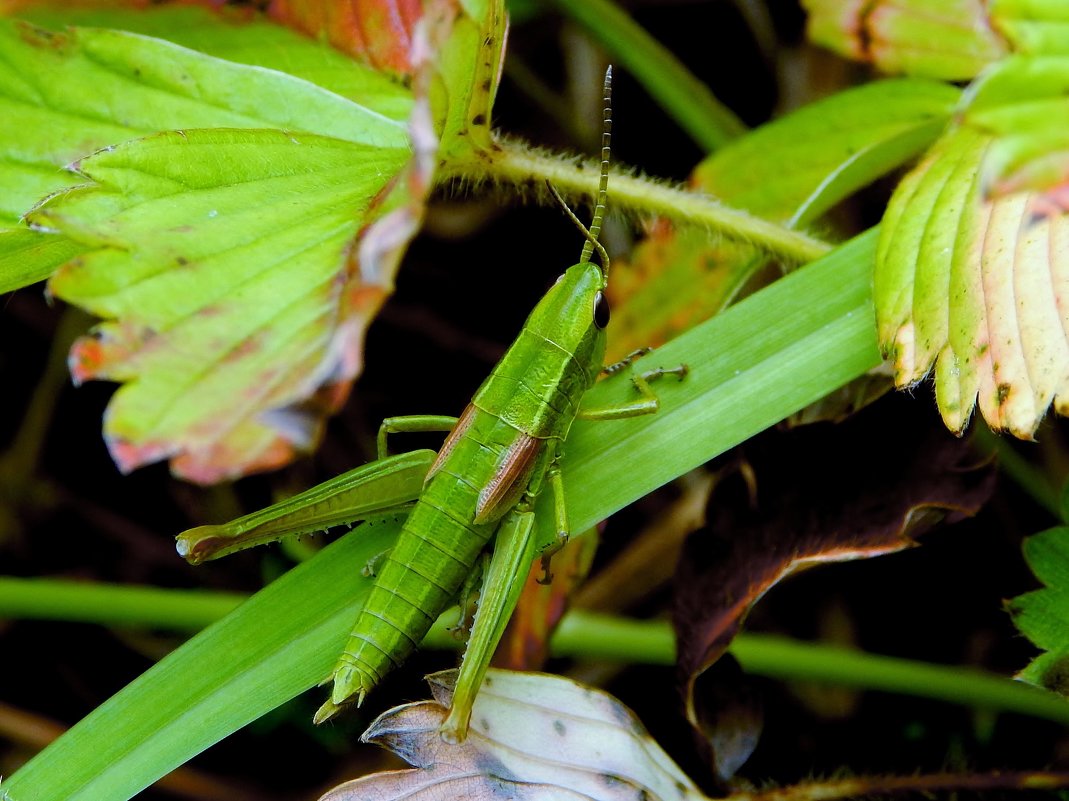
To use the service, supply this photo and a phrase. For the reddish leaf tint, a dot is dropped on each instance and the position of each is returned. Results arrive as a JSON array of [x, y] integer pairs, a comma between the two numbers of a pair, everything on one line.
[[673, 280], [822, 493], [376, 31], [948, 39], [227, 422]]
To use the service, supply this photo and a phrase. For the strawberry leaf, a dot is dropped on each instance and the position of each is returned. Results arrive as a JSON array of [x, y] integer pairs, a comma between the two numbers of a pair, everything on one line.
[[1022, 104], [224, 256], [89, 88], [947, 39], [971, 283], [240, 36], [27, 257], [1033, 26], [1043, 615], [239, 258], [172, 224], [378, 32]]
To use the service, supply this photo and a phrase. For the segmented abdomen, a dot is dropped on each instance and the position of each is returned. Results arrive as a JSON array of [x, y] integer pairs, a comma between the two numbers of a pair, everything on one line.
[[435, 552]]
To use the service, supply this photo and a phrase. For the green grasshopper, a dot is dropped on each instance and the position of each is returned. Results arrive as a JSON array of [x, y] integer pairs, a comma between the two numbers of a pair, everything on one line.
[[500, 454]]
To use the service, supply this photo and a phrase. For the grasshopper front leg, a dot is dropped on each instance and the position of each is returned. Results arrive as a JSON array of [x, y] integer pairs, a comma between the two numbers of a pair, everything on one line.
[[412, 424], [649, 402]]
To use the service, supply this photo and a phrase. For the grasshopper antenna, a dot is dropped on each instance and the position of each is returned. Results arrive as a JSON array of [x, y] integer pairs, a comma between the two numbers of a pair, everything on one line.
[[603, 187], [591, 233]]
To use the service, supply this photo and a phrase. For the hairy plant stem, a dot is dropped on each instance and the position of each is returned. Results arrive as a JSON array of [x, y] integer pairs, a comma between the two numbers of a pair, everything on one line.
[[522, 168]]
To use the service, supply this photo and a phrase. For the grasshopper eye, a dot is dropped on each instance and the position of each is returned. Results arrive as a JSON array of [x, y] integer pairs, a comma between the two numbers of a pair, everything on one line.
[[601, 310]]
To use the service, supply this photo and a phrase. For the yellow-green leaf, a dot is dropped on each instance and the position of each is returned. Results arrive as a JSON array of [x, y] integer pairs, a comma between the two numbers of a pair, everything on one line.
[[224, 259], [973, 284], [946, 39], [801, 165], [1033, 26], [239, 258], [1024, 104], [794, 169], [27, 256]]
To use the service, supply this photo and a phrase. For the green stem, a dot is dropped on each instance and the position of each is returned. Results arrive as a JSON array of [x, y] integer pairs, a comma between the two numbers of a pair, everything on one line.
[[520, 166], [686, 99], [590, 635], [113, 604], [778, 657], [581, 634]]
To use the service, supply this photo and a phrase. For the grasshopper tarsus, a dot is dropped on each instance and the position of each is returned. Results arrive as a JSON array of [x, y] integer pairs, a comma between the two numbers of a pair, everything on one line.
[[547, 557], [547, 576], [679, 371], [633, 356]]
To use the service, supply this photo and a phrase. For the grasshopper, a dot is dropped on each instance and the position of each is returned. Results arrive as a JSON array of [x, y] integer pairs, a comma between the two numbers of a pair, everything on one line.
[[500, 454]]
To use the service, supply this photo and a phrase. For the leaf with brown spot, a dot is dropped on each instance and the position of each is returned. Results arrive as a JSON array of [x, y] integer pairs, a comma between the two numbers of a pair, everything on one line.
[[971, 273], [947, 39], [533, 737]]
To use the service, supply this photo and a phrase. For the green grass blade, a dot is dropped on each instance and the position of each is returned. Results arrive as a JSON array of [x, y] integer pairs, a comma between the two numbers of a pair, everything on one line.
[[595, 636], [750, 367]]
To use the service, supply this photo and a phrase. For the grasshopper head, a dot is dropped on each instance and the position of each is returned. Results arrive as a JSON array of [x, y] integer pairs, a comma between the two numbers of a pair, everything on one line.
[[574, 313]]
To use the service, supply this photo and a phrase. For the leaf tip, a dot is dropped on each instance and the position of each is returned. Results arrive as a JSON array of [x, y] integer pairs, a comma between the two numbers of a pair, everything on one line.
[[128, 456]]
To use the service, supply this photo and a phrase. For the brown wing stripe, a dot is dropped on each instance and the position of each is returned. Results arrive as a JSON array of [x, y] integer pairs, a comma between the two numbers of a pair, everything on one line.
[[463, 424], [510, 479]]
